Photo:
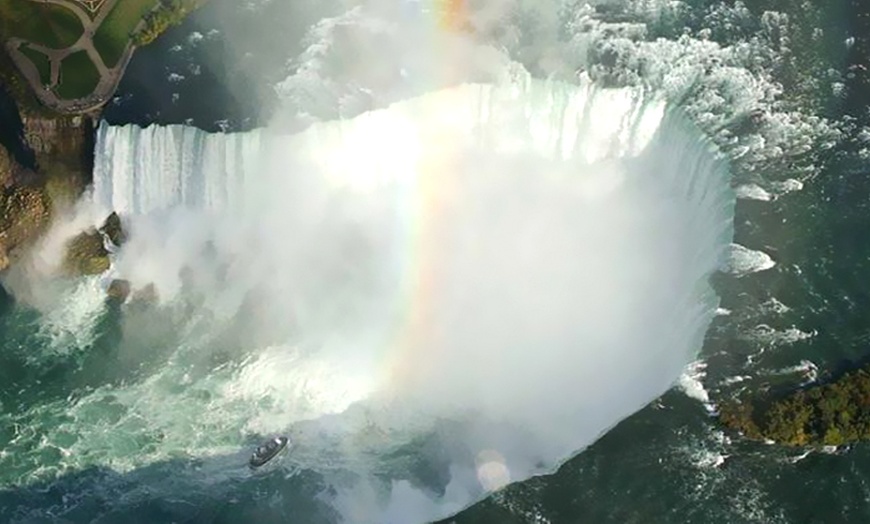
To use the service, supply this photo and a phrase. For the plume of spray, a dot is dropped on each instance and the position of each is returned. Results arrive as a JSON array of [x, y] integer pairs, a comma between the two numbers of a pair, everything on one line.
[[476, 281]]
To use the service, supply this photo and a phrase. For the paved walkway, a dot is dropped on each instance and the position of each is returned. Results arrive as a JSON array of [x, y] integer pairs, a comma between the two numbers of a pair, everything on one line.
[[109, 77], [91, 5]]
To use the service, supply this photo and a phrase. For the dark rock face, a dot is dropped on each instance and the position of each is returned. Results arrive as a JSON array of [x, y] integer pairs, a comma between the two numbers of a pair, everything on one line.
[[24, 210], [119, 289], [12, 130], [113, 229], [64, 157]]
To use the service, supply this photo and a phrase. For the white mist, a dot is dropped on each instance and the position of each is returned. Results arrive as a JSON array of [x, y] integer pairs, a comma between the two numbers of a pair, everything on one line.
[[507, 269]]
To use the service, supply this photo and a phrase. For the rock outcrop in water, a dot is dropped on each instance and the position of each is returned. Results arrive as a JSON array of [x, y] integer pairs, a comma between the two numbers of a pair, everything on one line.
[[113, 229], [119, 289], [86, 253], [831, 414]]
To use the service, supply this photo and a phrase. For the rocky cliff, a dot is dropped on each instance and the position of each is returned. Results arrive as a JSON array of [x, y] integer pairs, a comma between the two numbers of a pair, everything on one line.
[[23, 209], [62, 149]]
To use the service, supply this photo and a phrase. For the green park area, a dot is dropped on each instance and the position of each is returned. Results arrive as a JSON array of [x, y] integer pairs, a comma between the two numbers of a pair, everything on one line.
[[113, 34], [51, 25], [78, 76], [42, 27], [42, 63]]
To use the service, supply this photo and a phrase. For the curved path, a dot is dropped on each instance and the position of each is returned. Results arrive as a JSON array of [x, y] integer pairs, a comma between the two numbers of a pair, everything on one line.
[[109, 77]]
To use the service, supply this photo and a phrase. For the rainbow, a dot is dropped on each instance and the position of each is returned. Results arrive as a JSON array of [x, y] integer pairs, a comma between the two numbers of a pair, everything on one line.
[[453, 15], [430, 187]]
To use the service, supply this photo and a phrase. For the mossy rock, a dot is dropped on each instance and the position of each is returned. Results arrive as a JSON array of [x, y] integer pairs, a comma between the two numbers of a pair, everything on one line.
[[86, 254]]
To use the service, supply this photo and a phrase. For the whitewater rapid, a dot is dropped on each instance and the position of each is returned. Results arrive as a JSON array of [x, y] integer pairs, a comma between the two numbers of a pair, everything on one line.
[[506, 270]]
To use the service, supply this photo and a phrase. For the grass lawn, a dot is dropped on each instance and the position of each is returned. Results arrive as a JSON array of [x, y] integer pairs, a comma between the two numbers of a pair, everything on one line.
[[51, 25], [42, 63], [114, 33], [78, 76]]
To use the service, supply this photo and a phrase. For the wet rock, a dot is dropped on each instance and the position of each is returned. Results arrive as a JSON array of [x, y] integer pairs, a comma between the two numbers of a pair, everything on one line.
[[86, 254], [119, 289], [113, 229]]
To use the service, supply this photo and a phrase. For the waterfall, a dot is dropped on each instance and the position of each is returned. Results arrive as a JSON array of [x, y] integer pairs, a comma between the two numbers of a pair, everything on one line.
[[525, 262]]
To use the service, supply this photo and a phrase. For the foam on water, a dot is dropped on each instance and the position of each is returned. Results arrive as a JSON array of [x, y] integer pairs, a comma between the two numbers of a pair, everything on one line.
[[716, 474], [787, 186], [753, 192], [799, 457], [775, 190], [773, 306], [691, 382], [807, 369], [70, 326], [727, 381], [743, 261], [770, 336]]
